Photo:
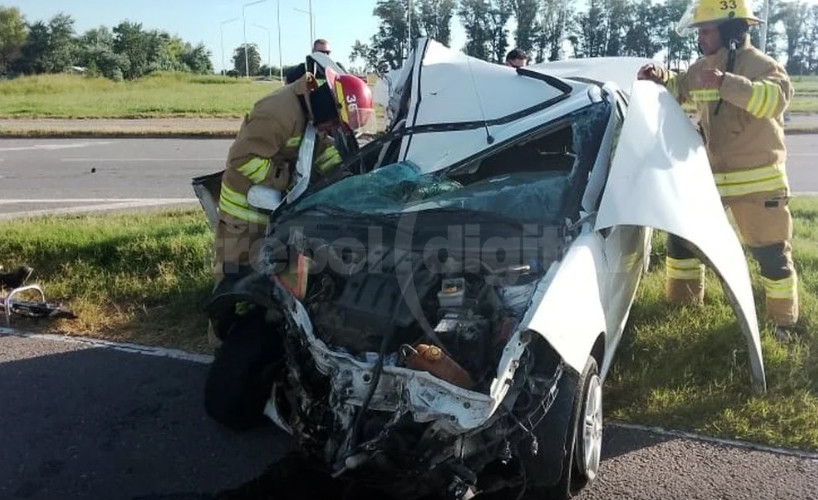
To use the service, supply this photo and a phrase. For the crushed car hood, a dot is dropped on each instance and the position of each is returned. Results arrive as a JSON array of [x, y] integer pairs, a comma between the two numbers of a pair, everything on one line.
[[660, 178]]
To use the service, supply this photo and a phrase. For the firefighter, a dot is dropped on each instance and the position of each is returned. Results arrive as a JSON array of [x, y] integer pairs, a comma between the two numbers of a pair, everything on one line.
[[266, 150], [740, 94]]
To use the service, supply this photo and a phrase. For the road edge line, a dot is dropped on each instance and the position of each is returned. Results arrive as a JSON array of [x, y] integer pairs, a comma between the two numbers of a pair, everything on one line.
[[747, 445], [117, 346]]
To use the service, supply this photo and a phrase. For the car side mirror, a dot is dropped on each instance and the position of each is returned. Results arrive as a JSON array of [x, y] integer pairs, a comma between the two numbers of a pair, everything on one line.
[[264, 197]]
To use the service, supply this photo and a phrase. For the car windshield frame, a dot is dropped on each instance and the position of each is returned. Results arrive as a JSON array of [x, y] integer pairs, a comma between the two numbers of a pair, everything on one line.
[[399, 188]]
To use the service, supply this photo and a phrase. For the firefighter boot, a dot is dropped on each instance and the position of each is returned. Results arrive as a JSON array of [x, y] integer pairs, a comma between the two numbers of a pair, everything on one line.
[[685, 292]]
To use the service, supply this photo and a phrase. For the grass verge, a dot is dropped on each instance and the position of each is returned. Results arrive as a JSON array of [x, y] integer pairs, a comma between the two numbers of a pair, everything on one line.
[[142, 278], [173, 95], [164, 95], [687, 368], [130, 278]]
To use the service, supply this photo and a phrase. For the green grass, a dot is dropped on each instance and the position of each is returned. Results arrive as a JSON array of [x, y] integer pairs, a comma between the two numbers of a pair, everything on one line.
[[143, 278], [137, 277], [167, 95], [687, 368], [157, 96]]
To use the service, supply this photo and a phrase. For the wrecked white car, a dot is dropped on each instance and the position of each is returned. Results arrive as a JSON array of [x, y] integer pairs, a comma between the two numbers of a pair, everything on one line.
[[441, 319]]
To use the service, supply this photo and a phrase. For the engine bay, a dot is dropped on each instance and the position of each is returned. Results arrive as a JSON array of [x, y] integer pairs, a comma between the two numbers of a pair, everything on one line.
[[449, 317]]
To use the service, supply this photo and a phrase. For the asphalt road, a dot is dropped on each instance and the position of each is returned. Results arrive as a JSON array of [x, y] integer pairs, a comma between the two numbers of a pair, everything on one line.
[[70, 174], [89, 174], [83, 422]]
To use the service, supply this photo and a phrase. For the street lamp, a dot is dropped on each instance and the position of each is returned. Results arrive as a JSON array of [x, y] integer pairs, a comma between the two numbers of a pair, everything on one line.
[[269, 49], [280, 60], [244, 29], [221, 32], [312, 23]]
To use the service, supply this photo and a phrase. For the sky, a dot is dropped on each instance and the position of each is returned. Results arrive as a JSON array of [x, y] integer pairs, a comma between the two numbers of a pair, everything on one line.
[[341, 22]]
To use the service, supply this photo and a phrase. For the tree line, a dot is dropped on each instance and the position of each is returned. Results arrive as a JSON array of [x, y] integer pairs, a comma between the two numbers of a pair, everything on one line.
[[555, 29], [127, 51], [544, 29]]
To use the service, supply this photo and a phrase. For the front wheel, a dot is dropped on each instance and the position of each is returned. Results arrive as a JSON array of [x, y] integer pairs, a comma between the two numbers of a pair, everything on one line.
[[240, 379], [583, 442]]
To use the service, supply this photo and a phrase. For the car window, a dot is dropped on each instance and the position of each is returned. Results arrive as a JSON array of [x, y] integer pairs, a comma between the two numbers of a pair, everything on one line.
[[536, 178]]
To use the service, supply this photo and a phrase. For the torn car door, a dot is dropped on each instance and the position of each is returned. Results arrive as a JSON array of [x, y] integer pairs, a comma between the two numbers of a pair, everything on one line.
[[660, 178]]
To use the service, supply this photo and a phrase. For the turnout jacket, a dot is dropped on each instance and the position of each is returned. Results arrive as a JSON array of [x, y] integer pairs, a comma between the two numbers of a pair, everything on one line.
[[745, 140], [266, 149]]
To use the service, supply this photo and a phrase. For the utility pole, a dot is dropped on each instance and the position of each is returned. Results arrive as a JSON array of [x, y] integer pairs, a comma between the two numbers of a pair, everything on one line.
[[244, 30], [312, 25], [280, 60], [269, 49], [765, 16], [221, 32]]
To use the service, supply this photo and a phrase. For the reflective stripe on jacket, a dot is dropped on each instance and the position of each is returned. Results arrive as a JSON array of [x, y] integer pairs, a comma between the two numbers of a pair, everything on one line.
[[748, 131], [266, 149]]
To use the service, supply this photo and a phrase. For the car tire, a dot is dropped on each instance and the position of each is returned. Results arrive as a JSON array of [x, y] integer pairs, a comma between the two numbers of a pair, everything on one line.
[[240, 380], [584, 440]]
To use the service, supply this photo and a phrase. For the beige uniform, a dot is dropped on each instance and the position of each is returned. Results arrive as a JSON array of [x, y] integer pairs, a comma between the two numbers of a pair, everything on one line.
[[745, 145], [265, 152]]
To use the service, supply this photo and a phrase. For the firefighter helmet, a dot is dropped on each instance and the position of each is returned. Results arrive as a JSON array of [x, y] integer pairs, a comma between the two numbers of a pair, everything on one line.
[[353, 99], [702, 12]]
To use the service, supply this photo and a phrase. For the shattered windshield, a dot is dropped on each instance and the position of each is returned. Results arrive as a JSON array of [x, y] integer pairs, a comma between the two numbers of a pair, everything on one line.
[[534, 179]]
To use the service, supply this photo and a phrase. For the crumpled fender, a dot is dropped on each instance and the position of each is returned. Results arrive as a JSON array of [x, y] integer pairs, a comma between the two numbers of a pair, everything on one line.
[[660, 178]]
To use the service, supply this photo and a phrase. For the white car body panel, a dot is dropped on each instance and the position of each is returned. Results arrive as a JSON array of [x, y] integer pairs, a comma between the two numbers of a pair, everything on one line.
[[619, 70], [575, 282], [449, 87], [661, 178]]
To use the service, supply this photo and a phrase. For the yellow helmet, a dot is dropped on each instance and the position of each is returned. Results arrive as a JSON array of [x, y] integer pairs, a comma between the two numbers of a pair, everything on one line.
[[714, 11]]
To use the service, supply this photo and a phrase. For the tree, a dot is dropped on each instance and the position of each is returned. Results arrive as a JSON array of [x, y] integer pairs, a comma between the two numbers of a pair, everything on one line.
[[197, 58], [619, 23], [474, 16], [679, 49], [593, 30], [253, 59], [525, 12], [95, 51], [795, 16], [49, 48], [33, 55], [499, 14], [556, 22], [643, 36], [13, 34], [364, 53], [435, 19], [135, 44], [390, 43]]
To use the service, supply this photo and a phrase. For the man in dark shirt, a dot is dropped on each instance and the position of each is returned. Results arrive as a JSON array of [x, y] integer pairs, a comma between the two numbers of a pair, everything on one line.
[[297, 72]]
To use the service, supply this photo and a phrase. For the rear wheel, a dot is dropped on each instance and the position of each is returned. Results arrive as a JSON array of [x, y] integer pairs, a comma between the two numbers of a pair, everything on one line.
[[240, 379]]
